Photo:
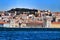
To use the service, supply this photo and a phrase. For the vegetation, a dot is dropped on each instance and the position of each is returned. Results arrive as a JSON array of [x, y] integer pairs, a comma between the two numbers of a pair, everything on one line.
[[21, 10]]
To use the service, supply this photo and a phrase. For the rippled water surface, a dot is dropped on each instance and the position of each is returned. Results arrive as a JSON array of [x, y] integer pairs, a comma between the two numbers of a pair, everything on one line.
[[29, 35]]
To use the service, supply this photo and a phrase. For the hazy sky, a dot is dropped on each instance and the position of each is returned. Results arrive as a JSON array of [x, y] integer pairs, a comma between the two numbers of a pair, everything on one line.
[[53, 5]]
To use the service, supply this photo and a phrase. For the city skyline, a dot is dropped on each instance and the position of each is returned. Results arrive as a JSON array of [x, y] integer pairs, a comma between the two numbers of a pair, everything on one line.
[[53, 5]]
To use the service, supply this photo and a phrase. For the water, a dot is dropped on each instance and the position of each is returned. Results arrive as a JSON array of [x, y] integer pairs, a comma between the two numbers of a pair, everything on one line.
[[29, 35]]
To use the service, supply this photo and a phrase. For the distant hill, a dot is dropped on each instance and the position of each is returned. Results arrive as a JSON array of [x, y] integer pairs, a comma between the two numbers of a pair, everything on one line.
[[21, 10]]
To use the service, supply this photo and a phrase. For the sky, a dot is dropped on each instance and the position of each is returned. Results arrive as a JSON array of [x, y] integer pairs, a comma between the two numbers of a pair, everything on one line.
[[53, 5]]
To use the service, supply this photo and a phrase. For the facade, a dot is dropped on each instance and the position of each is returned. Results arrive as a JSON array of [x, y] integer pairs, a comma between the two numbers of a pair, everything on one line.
[[44, 18], [56, 22]]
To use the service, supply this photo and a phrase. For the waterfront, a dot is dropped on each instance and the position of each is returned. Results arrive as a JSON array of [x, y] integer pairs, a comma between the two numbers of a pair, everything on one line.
[[30, 18], [26, 19]]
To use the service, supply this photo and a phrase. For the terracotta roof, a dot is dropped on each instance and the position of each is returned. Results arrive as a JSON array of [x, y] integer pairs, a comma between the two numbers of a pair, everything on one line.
[[2, 22], [55, 22]]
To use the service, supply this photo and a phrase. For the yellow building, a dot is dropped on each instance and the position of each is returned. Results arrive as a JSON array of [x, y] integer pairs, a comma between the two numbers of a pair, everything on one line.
[[55, 25]]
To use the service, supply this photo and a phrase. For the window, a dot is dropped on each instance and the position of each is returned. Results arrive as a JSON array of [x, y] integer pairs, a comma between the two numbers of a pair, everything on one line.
[[0, 15], [58, 20], [50, 14]]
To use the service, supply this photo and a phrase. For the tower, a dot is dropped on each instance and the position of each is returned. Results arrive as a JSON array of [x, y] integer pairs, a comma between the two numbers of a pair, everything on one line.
[[15, 12], [39, 13], [3, 13]]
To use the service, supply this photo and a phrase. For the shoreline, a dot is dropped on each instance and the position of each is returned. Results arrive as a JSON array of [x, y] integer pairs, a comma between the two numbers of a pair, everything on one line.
[[29, 29]]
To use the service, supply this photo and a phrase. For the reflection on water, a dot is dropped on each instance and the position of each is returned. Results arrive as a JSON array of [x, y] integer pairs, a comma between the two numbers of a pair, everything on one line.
[[29, 35]]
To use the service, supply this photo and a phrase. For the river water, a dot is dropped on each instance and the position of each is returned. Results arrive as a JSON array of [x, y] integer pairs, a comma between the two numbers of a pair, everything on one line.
[[29, 35]]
